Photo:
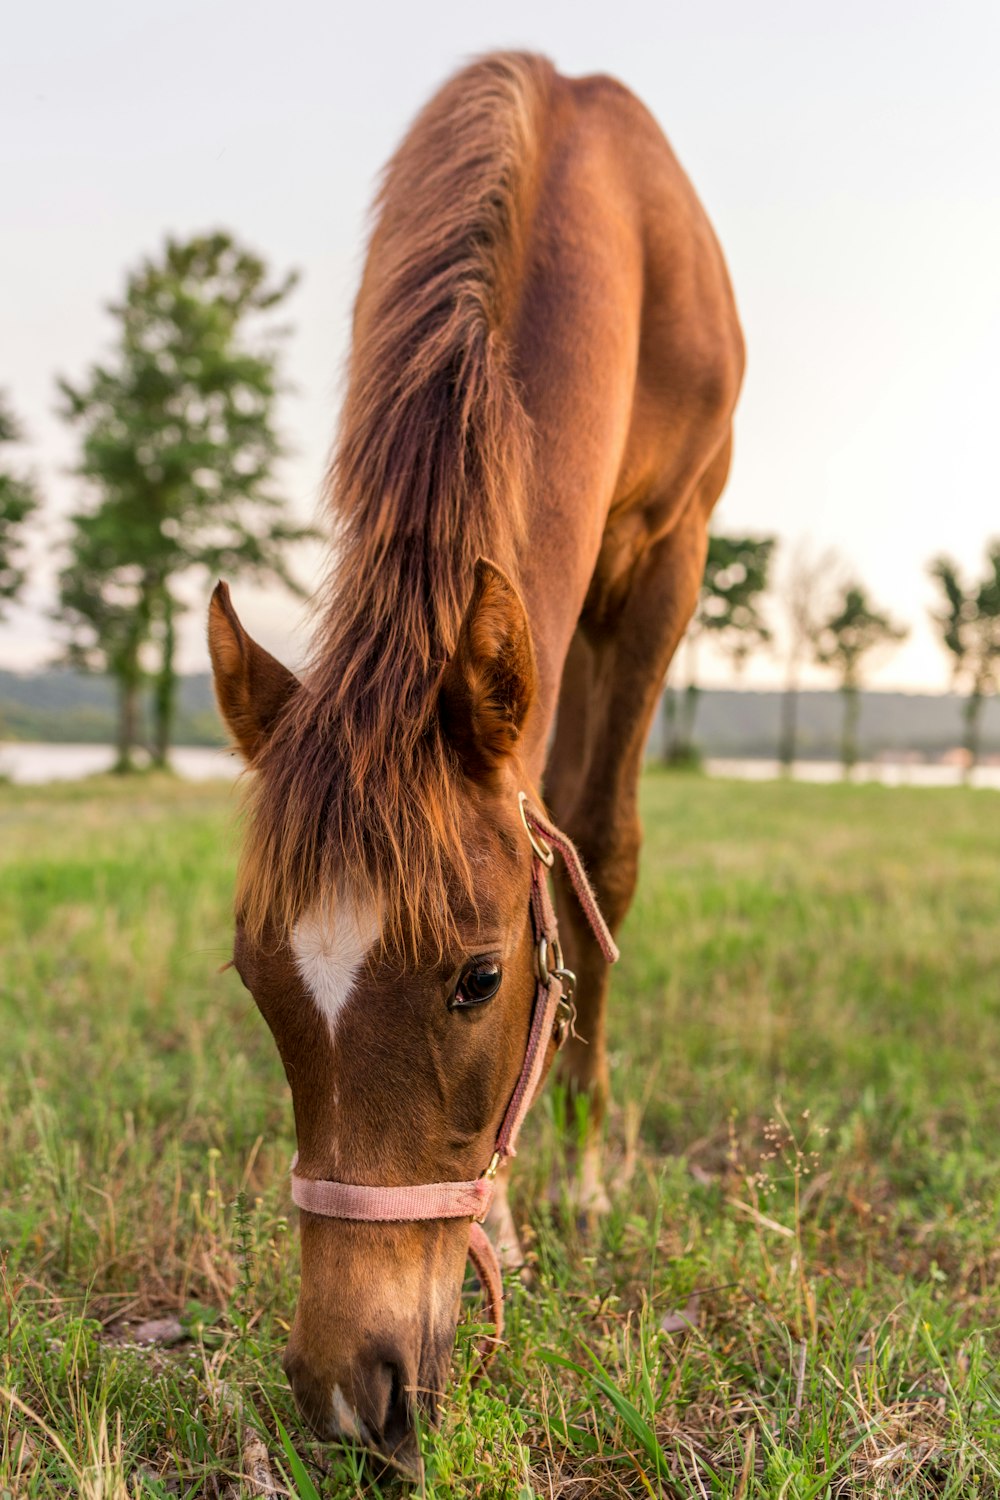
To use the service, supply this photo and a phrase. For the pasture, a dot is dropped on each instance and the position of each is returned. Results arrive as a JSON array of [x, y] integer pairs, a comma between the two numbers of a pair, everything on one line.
[[805, 1033]]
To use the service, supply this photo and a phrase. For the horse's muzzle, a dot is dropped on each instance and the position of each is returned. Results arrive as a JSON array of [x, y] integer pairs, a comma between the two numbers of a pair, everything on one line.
[[373, 1406]]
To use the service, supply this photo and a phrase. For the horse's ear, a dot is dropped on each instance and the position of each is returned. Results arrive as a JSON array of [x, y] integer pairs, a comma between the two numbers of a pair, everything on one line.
[[251, 686], [489, 683]]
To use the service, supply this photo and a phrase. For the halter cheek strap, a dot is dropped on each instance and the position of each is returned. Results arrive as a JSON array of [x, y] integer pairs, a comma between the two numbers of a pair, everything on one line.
[[552, 1017]]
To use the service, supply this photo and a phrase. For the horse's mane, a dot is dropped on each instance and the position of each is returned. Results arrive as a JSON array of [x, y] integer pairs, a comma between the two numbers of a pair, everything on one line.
[[357, 788]]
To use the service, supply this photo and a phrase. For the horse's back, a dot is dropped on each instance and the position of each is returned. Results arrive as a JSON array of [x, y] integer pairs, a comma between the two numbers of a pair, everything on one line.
[[690, 333], [628, 342]]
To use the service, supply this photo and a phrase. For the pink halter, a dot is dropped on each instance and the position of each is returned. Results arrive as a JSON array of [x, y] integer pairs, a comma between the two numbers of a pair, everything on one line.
[[552, 1016]]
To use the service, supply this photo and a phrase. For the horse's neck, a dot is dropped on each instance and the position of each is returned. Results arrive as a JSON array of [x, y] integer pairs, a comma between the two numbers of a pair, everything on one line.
[[553, 607], [559, 556]]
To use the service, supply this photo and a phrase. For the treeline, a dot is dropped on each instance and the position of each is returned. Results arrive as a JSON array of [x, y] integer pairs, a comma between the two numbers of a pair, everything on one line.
[[827, 620], [178, 446], [62, 707]]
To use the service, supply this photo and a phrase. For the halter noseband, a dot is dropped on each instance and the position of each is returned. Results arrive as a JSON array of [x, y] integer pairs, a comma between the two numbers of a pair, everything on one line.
[[552, 1018]]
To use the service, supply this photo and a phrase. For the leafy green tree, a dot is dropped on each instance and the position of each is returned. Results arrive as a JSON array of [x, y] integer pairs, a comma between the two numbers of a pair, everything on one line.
[[178, 446], [969, 625], [737, 571], [737, 574], [843, 641], [18, 503]]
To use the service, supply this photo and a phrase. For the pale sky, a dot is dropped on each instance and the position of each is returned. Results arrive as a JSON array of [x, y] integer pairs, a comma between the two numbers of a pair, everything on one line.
[[847, 154]]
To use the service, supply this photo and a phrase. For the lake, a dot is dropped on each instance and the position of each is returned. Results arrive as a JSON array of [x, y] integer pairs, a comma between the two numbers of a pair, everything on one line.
[[32, 764]]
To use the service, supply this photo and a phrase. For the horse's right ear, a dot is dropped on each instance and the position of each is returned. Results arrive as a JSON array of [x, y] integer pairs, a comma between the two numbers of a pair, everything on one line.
[[488, 685], [250, 685]]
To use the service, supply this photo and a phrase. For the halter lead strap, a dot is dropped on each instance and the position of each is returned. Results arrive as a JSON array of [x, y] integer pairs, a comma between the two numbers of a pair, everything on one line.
[[471, 1200]]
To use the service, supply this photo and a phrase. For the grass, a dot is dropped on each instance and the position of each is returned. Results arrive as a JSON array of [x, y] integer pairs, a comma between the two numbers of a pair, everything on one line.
[[795, 1294]]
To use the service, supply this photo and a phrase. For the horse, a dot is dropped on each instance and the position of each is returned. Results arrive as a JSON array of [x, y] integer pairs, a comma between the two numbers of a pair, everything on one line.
[[544, 366]]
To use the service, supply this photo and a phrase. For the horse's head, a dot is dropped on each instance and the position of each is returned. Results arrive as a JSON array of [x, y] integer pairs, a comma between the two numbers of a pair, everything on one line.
[[402, 1045]]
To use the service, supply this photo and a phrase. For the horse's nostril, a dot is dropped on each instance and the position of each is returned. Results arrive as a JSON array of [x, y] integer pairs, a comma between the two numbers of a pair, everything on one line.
[[398, 1423]]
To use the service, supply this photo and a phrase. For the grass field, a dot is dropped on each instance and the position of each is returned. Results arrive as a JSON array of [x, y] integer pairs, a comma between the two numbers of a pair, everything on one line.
[[803, 1152]]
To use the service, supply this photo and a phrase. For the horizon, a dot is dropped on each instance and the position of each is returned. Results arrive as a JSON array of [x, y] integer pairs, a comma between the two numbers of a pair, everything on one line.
[[846, 161], [734, 685]]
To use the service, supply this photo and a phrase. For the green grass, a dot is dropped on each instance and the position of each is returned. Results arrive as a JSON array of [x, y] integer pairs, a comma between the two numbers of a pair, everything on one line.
[[803, 1154]]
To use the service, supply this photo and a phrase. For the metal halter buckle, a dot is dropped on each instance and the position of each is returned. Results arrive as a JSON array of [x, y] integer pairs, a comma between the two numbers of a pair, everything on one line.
[[565, 1019], [549, 948], [538, 844]]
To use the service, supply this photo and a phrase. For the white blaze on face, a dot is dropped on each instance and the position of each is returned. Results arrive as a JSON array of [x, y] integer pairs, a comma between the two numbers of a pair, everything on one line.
[[330, 943]]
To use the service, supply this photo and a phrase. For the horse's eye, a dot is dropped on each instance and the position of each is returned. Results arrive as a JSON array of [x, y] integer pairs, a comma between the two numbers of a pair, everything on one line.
[[479, 983]]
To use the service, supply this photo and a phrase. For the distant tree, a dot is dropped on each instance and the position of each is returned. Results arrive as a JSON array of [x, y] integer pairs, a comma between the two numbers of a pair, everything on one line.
[[18, 503], [969, 624], [107, 595], [802, 595], [179, 446], [108, 611], [729, 612], [852, 632]]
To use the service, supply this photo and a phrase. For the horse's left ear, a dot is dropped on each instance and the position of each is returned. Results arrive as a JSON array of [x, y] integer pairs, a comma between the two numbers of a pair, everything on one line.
[[251, 686], [489, 683]]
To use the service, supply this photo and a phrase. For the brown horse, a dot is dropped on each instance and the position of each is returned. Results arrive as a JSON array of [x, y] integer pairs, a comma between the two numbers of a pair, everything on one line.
[[546, 358]]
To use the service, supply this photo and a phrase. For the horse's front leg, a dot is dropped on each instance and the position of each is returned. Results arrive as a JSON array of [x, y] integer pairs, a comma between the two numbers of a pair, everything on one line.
[[611, 686]]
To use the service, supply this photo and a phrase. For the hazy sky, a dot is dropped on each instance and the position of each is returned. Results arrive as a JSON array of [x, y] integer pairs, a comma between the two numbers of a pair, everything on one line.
[[848, 154]]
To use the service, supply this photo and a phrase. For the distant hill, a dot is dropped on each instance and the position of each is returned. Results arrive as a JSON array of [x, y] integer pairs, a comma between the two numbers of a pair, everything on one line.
[[76, 708], [747, 724], [72, 707]]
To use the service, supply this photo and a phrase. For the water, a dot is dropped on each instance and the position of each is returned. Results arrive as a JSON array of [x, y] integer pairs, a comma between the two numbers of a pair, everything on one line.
[[31, 765], [887, 773]]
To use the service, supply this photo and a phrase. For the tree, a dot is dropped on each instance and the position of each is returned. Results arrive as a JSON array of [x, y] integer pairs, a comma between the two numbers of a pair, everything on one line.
[[728, 611], [178, 447], [806, 586], [18, 503], [843, 641], [969, 624], [107, 604]]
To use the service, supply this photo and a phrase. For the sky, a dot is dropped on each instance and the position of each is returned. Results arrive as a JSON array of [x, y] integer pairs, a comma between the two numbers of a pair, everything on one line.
[[848, 155]]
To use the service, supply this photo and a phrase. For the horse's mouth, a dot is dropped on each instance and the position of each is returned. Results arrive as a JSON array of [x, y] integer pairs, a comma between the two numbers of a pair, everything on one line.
[[335, 1419]]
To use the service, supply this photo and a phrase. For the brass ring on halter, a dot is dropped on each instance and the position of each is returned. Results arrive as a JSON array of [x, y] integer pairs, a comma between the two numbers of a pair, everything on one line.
[[538, 844], [550, 947]]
